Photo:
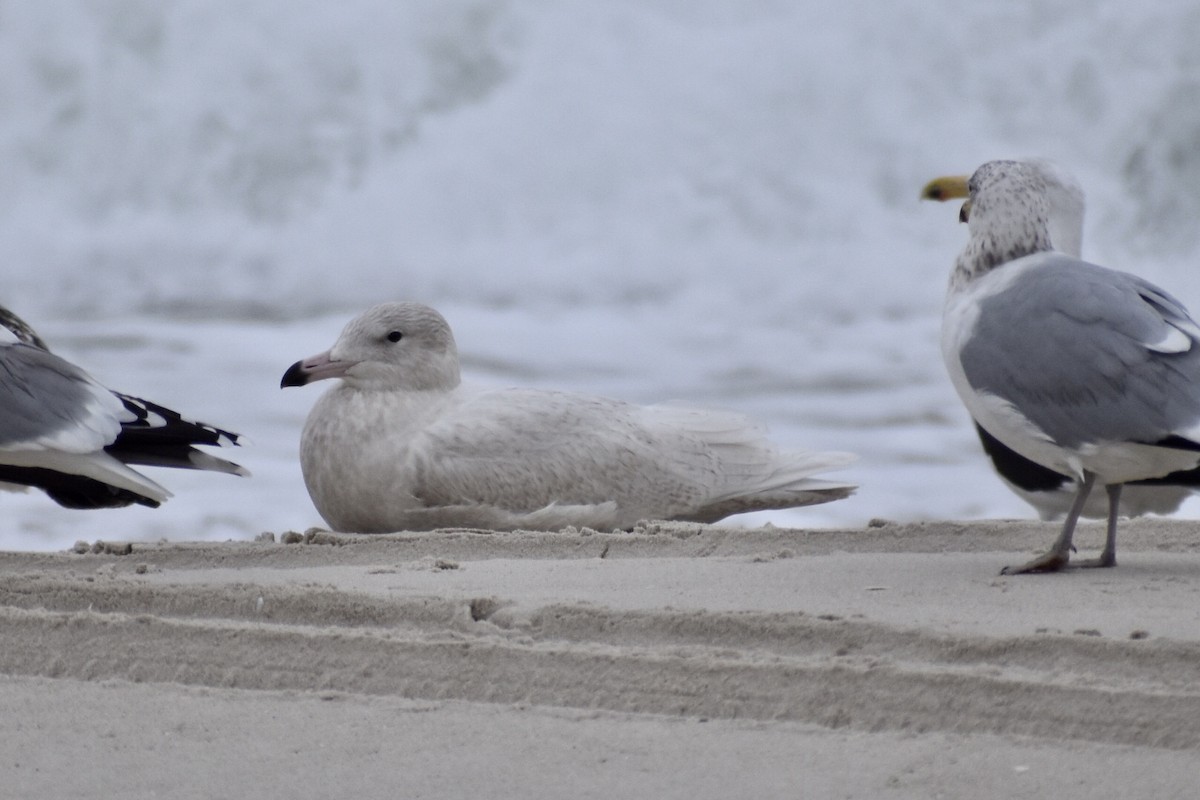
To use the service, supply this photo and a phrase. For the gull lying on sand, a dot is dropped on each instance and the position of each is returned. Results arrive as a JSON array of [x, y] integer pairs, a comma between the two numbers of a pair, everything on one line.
[[401, 444], [1086, 371], [64, 433], [1050, 492]]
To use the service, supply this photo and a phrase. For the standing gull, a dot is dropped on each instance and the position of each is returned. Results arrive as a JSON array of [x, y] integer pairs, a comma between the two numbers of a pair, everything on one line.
[[1087, 371], [64, 433], [1052, 493], [401, 444]]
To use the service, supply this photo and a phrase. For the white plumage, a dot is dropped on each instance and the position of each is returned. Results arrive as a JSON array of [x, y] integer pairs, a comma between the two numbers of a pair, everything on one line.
[[401, 444]]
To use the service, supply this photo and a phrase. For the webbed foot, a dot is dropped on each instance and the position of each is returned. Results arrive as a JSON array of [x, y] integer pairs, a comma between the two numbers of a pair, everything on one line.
[[1052, 561]]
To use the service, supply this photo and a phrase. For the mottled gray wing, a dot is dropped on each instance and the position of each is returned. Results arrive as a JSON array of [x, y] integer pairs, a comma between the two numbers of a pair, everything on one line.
[[1088, 354], [48, 403]]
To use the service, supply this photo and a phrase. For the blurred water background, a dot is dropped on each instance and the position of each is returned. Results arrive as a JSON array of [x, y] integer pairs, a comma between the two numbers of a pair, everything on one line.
[[651, 199]]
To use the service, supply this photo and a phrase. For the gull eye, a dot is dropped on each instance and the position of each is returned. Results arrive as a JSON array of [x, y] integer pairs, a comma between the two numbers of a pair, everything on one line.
[[395, 336]]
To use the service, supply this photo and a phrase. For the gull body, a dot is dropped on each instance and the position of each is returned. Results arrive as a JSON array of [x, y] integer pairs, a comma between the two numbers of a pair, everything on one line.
[[401, 444], [1086, 371], [1052, 493], [63, 432]]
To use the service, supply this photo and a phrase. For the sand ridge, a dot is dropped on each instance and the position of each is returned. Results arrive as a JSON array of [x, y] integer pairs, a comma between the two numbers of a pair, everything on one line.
[[891, 628]]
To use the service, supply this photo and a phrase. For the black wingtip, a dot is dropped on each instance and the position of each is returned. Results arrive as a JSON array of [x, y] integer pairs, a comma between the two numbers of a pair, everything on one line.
[[1018, 470], [295, 376]]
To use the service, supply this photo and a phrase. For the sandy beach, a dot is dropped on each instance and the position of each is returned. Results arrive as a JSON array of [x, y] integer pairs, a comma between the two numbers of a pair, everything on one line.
[[675, 661], [711, 204]]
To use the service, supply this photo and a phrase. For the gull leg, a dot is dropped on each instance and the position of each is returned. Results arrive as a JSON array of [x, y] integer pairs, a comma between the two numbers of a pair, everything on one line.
[[1108, 558], [1060, 552]]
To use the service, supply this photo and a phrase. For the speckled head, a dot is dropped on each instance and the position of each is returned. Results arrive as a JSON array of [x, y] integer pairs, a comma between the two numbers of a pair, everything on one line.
[[1017, 208]]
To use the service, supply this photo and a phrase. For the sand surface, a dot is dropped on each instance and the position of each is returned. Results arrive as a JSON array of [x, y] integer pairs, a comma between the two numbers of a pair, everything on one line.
[[677, 661]]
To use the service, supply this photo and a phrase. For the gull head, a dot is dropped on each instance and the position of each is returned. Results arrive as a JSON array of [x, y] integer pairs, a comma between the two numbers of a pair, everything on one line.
[[1020, 201], [392, 346], [1014, 208], [1065, 204]]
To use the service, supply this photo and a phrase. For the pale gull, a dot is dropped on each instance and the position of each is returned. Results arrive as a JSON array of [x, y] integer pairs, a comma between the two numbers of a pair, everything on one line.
[[63, 432], [1051, 493], [1087, 371], [401, 444]]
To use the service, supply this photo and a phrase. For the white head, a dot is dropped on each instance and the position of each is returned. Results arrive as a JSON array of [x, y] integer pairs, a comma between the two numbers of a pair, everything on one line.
[[392, 346]]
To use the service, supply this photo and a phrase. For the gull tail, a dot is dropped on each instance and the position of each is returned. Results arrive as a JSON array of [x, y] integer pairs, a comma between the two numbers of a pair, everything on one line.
[[788, 484]]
